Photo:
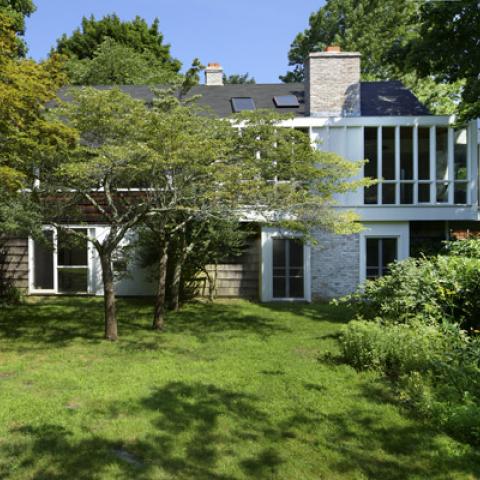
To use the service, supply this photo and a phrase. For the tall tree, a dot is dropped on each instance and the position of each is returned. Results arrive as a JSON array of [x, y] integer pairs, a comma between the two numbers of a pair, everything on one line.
[[238, 78], [17, 10], [448, 47], [379, 30], [136, 34], [114, 63]]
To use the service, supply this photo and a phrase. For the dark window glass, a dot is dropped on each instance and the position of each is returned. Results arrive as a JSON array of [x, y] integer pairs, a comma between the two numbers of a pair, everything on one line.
[[287, 268], [424, 154], [72, 280], [442, 192], [460, 155], [388, 193], [242, 103], [424, 193], [286, 101], [388, 153], [370, 194], [389, 253], [460, 194], [72, 251], [406, 193], [442, 153], [406, 153], [43, 262], [381, 252], [370, 169]]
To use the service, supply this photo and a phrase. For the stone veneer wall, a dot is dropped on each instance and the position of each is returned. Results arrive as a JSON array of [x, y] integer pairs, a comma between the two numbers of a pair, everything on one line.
[[16, 264], [332, 85], [335, 264]]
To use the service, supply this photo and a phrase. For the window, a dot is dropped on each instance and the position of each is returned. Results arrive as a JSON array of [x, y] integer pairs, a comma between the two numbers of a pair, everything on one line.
[[282, 101], [60, 263], [409, 172], [381, 252], [239, 104], [288, 275]]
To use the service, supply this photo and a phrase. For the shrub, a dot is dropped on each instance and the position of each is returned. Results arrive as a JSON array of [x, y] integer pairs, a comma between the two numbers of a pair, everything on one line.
[[437, 289], [469, 247]]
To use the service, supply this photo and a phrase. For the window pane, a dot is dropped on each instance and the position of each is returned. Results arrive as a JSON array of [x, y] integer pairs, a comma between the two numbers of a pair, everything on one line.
[[279, 252], [43, 262], [388, 153], [388, 193], [460, 193], [72, 280], [279, 287], [389, 251], [72, 250], [442, 192], [460, 155], [372, 273], [370, 194], [424, 153], [370, 145], [406, 153], [442, 153], [296, 287], [406, 193], [372, 252], [296, 254], [424, 193]]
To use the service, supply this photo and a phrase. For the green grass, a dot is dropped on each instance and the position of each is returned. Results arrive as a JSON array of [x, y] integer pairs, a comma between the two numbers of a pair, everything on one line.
[[232, 390]]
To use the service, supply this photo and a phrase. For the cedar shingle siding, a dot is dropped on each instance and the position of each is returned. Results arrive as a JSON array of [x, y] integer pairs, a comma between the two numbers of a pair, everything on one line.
[[16, 262]]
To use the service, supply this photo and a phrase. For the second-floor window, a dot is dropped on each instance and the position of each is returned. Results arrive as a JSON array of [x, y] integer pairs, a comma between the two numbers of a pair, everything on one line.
[[416, 165]]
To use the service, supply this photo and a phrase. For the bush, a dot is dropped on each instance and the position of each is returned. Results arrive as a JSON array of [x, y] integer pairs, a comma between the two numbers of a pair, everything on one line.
[[437, 289], [435, 369]]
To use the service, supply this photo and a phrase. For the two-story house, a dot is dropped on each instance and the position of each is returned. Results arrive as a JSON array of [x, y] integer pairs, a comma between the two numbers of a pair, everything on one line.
[[427, 189]]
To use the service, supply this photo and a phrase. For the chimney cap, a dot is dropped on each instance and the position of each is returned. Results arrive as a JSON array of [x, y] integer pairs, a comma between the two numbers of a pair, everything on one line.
[[333, 48], [214, 65]]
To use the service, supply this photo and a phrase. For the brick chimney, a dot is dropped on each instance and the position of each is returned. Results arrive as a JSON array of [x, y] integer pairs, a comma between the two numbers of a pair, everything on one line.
[[214, 74], [332, 83]]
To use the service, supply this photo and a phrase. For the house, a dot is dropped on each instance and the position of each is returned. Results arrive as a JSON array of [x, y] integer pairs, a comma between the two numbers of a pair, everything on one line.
[[427, 191]]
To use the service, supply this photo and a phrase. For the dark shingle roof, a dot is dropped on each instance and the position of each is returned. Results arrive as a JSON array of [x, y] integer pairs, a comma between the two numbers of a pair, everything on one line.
[[388, 98]]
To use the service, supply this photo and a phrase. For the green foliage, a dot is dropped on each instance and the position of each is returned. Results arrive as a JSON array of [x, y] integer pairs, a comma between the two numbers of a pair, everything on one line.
[[435, 369], [436, 289], [469, 247], [395, 349], [379, 30], [16, 11], [137, 35], [114, 63], [447, 48], [238, 78]]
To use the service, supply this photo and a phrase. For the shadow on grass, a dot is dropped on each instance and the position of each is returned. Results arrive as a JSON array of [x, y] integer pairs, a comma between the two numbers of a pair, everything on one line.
[[199, 428]]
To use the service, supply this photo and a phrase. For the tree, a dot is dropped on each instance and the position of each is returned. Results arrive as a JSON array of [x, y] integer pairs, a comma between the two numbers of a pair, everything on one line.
[[109, 160], [238, 78], [447, 47], [17, 10], [135, 34], [379, 30], [114, 63]]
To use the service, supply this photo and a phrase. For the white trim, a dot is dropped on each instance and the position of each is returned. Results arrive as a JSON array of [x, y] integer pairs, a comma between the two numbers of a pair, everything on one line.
[[398, 230]]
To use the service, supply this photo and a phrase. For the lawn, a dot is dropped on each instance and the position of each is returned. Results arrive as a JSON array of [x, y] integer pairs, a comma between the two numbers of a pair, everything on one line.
[[232, 390]]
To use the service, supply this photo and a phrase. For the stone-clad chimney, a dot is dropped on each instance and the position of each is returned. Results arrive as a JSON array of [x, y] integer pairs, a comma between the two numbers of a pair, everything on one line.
[[214, 74], [332, 83]]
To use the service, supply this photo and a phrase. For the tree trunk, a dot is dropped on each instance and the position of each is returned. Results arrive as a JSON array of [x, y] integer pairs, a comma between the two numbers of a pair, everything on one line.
[[177, 272], [111, 331], [159, 312]]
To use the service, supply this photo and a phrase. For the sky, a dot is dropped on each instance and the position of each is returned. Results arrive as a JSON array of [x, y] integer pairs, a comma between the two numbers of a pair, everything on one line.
[[251, 36]]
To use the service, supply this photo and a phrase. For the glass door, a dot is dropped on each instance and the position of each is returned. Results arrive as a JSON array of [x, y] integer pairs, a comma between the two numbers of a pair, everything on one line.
[[288, 272]]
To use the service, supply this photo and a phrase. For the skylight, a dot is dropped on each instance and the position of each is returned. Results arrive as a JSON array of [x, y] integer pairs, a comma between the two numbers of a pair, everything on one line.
[[282, 101], [240, 104]]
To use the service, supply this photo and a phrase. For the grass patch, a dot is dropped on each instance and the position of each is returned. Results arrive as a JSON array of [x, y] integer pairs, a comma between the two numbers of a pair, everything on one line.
[[232, 390]]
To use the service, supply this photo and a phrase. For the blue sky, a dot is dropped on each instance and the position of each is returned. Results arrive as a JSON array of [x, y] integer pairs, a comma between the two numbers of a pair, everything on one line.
[[243, 35]]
